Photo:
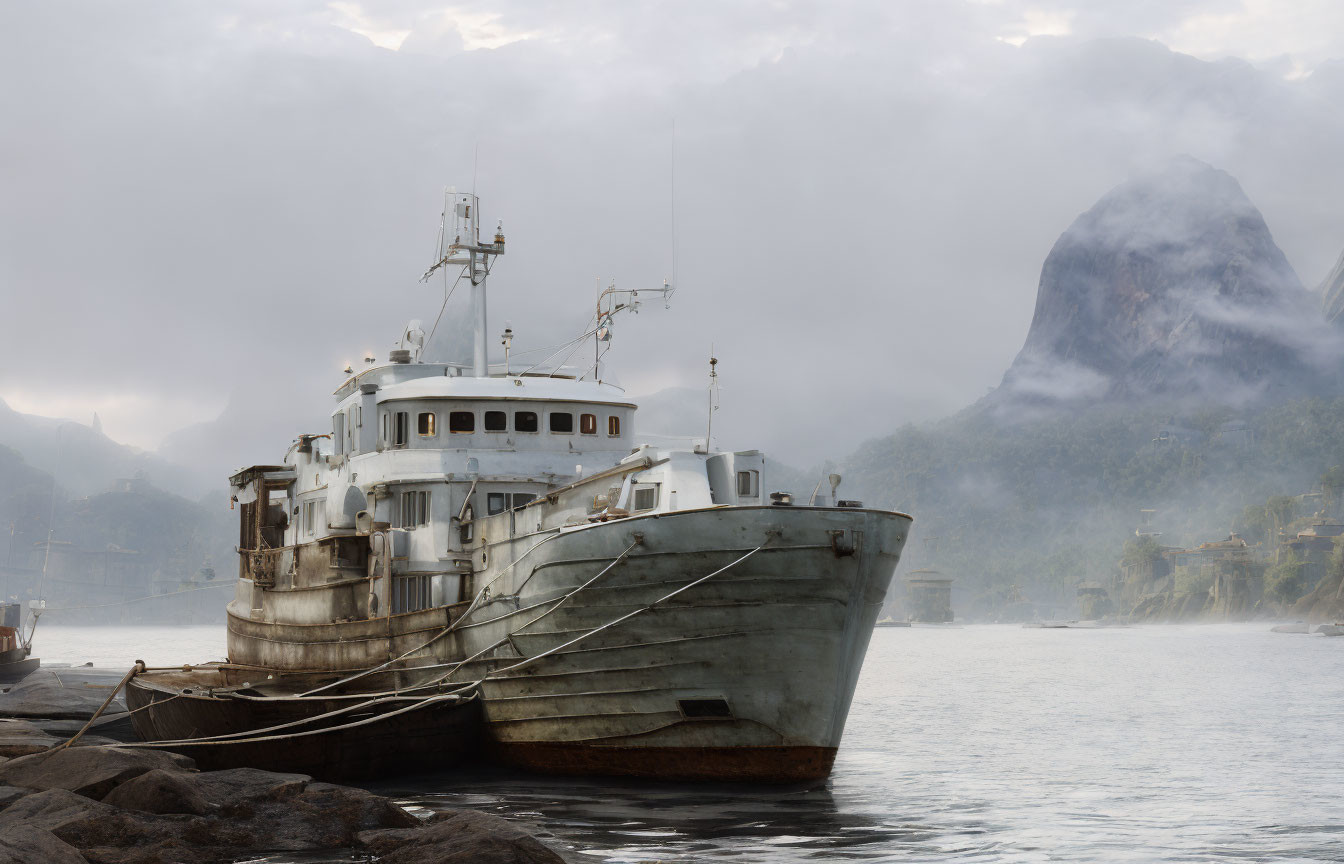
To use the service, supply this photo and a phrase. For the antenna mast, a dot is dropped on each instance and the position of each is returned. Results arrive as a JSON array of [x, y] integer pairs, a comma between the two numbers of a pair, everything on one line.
[[460, 243], [713, 396]]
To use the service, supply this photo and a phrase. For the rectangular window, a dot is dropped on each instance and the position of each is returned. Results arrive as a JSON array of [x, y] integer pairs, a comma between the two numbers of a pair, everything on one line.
[[496, 502], [562, 422], [496, 421], [746, 484], [424, 424], [308, 517], [461, 422], [521, 499], [614, 426], [646, 497], [414, 509], [401, 429], [411, 593], [385, 435], [588, 424], [525, 421]]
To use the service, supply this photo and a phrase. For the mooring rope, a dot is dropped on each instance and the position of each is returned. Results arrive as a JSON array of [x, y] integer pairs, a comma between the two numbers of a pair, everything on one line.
[[221, 740], [626, 617], [138, 667], [253, 736]]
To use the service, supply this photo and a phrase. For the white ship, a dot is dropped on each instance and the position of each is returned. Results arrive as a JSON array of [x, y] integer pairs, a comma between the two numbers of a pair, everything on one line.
[[618, 607]]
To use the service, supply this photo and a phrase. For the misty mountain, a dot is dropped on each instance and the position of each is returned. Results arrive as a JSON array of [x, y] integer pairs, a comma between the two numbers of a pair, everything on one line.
[[249, 431], [1171, 287], [1332, 294], [81, 457]]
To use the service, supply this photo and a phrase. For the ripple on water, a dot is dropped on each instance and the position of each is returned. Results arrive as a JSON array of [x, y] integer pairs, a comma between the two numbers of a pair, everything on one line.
[[988, 744]]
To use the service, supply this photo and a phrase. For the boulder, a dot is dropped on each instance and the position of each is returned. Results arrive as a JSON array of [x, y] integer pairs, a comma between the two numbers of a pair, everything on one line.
[[89, 771], [460, 837], [156, 810], [24, 738], [31, 845], [160, 791], [43, 694], [21, 738], [10, 794], [247, 786]]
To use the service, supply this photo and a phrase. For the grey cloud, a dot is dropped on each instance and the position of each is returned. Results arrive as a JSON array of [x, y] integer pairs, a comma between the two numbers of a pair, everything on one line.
[[237, 199]]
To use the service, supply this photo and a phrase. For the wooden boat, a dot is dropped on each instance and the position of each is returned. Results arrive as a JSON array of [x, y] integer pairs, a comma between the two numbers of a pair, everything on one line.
[[229, 716], [15, 659]]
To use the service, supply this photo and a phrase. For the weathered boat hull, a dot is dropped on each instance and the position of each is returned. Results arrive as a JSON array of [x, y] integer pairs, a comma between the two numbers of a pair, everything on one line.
[[17, 667], [432, 736], [747, 675]]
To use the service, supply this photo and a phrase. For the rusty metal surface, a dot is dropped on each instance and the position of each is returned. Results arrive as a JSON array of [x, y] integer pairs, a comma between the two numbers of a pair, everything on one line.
[[736, 764]]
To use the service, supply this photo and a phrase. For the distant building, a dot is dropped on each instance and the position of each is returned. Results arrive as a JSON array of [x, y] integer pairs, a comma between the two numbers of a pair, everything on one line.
[[928, 597]]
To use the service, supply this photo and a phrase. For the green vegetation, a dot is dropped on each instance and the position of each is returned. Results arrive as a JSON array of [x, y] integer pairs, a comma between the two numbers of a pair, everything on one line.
[[1286, 582], [1141, 550], [1046, 502]]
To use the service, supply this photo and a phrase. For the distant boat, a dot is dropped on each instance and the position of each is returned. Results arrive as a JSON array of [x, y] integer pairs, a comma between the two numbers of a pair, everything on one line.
[[1331, 629], [15, 662], [892, 622]]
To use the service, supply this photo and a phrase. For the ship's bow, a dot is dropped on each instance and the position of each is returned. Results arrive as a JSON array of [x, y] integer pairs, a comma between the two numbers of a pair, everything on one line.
[[722, 644]]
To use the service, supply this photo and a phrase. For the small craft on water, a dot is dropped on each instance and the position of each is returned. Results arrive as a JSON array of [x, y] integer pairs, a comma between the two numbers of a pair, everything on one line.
[[16, 649], [495, 541]]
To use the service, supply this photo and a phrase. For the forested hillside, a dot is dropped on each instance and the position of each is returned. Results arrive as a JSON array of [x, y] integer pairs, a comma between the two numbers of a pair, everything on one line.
[[1046, 504]]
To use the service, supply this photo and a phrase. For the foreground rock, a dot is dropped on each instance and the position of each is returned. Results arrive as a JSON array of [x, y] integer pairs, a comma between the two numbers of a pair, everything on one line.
[[464, 836], [107, 805], [48, 695], [86, 770]]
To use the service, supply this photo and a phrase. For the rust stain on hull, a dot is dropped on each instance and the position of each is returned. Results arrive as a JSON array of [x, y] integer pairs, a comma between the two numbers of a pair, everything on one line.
[[780, 764]]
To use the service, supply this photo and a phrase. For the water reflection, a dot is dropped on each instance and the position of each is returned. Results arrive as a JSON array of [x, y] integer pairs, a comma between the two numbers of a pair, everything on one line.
[[625, 820]]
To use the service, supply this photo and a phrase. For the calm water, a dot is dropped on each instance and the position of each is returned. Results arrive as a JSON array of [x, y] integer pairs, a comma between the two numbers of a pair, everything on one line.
[[1199, 743]]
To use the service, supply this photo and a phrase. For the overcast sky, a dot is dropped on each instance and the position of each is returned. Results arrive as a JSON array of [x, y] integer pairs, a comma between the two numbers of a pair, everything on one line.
[[206, 202]]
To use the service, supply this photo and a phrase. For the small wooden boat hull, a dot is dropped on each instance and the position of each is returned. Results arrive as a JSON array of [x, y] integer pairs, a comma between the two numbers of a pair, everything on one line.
[[402, 736], [15, 664]]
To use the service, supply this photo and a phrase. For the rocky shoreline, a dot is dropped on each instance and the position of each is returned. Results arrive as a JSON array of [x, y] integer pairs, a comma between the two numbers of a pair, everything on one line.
[[101, 802]]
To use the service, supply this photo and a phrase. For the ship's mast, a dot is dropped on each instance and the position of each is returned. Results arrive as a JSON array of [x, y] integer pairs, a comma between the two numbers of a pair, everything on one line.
[[460, 243]]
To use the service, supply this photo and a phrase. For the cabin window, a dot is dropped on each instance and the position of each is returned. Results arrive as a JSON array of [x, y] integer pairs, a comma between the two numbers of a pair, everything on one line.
[[401, 429], [411, 593], [562, 422], [414, 509], [461, 422], [746, 484], [496, 421], [424, 424], [385, 436], [588, 424], [646, 497], [498, 502], [525, 421], [614, 426]]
